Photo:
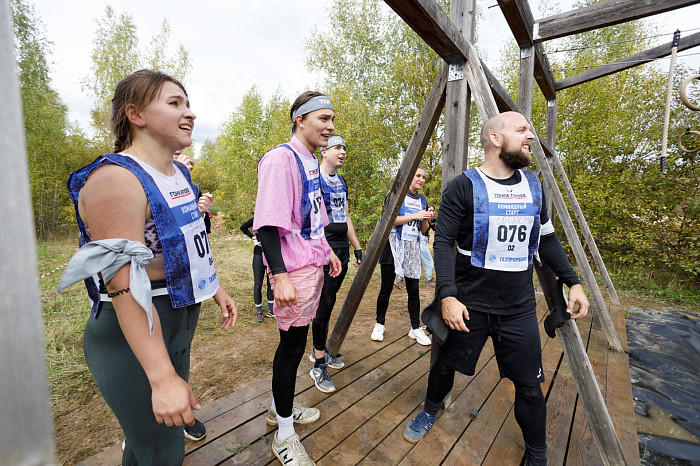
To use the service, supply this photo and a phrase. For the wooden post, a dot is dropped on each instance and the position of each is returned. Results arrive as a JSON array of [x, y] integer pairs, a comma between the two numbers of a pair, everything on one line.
[[527, 70], [457, 106], [551, 136], [597, 413], [414, 153], [26, 430], [587, 235], [458, 98]]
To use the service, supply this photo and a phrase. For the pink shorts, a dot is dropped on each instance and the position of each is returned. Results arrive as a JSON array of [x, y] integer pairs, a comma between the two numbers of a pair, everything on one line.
[[309, 282]]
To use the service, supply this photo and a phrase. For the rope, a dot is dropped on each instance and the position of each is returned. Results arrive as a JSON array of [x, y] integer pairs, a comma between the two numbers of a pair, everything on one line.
[[49, 273], [669, 90]]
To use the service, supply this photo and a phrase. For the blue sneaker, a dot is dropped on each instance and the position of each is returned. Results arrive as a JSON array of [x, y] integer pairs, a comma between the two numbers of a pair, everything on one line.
[[418, 427]]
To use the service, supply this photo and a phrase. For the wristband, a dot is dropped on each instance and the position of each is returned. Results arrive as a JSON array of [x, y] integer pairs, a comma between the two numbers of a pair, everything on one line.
[[358, 254]]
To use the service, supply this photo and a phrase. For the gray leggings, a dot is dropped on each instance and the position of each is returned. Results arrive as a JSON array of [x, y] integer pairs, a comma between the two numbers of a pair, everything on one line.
[[126, 389]]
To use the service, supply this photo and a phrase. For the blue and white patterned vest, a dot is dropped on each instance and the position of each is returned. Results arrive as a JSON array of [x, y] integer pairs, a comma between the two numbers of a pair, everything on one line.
[[506, 221], [335, 196], [188, 263]]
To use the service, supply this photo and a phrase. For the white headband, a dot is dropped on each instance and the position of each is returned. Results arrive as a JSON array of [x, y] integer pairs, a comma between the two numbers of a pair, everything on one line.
[[314, 103]]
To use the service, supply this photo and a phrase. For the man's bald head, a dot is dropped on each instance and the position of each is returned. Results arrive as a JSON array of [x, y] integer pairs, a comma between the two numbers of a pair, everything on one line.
[[496, 124]]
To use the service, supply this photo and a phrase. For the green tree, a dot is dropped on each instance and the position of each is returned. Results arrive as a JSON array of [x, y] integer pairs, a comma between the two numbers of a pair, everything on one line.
[[249, 132], [609, 135], [116, 54], [54, 146], [379, 78]]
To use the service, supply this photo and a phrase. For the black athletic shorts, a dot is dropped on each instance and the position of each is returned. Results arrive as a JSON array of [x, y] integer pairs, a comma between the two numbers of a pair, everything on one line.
[[516, 342]]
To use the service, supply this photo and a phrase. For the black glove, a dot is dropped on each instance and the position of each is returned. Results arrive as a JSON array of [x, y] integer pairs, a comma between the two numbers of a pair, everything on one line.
[[358, 255], [557, 316], [432, 318]]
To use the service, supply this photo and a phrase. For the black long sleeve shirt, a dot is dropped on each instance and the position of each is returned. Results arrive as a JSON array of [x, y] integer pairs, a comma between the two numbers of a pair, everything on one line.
[[485, 290]]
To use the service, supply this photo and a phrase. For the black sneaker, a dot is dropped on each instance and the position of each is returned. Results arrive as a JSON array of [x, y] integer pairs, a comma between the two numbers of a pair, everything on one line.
[[270, 313], [196, 432], [259, 316]]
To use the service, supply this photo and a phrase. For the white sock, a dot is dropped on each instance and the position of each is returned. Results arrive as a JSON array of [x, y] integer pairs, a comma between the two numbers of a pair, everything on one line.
[[285, 428]]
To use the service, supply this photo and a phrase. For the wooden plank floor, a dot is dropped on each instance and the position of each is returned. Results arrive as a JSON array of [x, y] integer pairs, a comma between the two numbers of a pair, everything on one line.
[[382, 386]]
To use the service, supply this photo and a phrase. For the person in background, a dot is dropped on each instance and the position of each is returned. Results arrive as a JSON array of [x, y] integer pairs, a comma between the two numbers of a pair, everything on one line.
[[338, 231], [197, 431], [401, 256], [258, 274], [425, 255]]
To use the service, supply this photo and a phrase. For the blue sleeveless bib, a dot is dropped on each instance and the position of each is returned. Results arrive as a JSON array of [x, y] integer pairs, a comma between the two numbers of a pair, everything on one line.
[[182, 276], [506, 221]]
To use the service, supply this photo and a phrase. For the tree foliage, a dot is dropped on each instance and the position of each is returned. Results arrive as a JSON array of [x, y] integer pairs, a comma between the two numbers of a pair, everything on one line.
[[53, 145], [116, 54], [609, 134]]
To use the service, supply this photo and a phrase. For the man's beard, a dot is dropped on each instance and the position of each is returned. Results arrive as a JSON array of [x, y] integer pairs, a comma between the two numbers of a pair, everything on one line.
[[514, 159]]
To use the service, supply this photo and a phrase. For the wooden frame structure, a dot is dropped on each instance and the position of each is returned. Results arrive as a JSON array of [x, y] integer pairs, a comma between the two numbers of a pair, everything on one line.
[[452, 40], [26, 430], [24, 381]]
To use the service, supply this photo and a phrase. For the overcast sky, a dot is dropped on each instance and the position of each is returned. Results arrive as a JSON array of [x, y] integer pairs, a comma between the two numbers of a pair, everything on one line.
[[235, 44]]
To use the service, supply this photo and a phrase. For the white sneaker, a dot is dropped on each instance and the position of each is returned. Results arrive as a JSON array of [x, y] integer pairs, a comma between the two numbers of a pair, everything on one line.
[[291, 452], [301, 414], [378, 332], [420, 336]]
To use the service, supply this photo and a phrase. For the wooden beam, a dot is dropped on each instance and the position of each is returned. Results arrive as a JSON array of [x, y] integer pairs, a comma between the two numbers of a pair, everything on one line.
[[504, 101], [637, 59], [601, 15], [519, 17], [419, 141], [26, 433], [551, 135], [527, 70], [575, 352], [586, 231], [431, 23], [458, 99]]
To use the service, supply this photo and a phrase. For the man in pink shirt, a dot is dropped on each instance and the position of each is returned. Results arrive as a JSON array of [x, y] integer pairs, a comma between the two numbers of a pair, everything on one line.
[[289, 218]]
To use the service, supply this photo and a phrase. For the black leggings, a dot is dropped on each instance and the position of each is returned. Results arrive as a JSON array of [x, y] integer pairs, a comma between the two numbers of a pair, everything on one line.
[[530, 410], [331, 285], [387, 287], [258, 277], [285, 365]]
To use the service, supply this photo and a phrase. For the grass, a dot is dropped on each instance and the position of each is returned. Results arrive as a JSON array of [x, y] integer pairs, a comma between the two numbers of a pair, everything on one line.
[[656, 286]]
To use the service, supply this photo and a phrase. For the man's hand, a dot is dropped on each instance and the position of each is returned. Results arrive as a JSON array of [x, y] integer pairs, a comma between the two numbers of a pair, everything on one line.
[[205, 202], [335, 265], [358, 257], [454, 313], [577, 295], [285, 292]]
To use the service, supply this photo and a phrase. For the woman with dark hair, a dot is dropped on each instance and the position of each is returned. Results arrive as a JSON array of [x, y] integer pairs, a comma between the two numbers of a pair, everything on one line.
[[145, 257], [401, 256], [290, 216]]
